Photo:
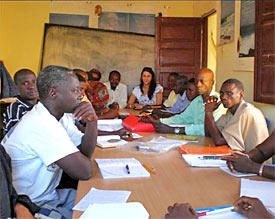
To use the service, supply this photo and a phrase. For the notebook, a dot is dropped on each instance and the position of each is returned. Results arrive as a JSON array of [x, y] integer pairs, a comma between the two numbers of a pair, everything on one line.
[[195, 149], [108, 141], [238, 174], [116, 168], [196, 160]]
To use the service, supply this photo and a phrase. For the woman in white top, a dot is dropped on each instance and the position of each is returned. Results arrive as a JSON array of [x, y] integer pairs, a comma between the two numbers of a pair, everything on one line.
[[148, 92]]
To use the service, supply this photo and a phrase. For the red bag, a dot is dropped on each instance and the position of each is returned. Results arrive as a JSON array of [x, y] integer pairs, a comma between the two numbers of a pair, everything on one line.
[[132, 123]]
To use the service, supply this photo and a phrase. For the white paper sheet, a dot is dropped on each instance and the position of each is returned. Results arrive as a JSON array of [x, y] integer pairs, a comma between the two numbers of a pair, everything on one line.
[[238, 174], [116, 168], [195, 160], [133, 210], [107, 141], [97, 196], [263, 190], [224, 215], [109, 125]]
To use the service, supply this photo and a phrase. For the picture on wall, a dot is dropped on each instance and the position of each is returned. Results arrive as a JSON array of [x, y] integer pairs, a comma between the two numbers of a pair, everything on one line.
[[128, 22], [247, 29], [69, 19], [227, 22]]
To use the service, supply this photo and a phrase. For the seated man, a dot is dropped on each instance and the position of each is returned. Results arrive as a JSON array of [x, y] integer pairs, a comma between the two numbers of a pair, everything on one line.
[[117, 91], [25, 81], [254, 162], [242, 127], [256, 210], [187, 92], [193, 116], [172, 98], [46, 141], [11, 204]]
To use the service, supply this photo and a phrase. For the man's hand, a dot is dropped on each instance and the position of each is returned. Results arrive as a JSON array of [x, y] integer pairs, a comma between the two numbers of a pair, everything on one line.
[[180, 211], [22, 212], [85, 111], [149, 119], [211, 103], [162, 128], [238, 162], [251, 208]]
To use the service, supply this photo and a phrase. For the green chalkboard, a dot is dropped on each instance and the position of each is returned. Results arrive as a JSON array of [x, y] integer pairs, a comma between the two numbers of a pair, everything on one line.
[[87, 48]]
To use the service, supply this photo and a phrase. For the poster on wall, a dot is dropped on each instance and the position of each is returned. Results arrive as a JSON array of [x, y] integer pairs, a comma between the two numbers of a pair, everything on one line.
[[227, 24], [127, 22], [247, 29], [69, 19]]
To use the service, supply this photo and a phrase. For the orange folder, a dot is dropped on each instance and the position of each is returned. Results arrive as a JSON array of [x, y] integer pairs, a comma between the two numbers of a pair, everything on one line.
[[194, 149]]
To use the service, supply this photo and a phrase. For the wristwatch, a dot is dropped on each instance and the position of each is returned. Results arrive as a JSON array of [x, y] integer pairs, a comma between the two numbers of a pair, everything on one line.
[[176, 130]]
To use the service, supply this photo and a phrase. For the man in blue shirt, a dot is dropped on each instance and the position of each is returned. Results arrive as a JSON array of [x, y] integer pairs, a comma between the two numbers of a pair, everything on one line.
[[193, 116]]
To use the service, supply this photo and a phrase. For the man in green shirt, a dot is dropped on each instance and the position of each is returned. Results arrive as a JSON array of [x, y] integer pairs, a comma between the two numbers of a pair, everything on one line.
[[193, 116]]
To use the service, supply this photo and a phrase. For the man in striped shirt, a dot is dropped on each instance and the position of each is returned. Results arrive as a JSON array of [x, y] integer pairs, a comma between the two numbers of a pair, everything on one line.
[[25, 81]]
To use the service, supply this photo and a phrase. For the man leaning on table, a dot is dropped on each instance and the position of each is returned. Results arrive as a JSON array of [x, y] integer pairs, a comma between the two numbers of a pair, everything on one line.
[[46, 141], [193, 116], [242, 127]]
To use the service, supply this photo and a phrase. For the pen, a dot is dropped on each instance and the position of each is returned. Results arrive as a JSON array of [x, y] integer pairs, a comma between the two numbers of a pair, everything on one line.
[[127, 169], [138, 147], [150, 169], [215, 211], [209, 157]]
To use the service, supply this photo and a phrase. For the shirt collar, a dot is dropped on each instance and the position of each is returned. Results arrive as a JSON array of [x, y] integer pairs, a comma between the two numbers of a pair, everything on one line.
[[24, 102]]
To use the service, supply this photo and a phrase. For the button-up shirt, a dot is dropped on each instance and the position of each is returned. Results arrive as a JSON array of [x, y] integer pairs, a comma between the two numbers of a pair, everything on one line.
[[194, 115]]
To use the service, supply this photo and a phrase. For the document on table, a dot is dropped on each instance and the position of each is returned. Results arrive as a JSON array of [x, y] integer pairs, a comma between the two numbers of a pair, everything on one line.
[[116, 168], [238, 174], [107, 141], [263, 190], [133, 210], [97, 196], [196, 160], [109, 125]]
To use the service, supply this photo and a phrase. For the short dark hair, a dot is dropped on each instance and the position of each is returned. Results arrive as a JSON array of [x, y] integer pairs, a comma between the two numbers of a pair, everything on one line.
[[114, 72], [175, 74], [182, 79], [191, 81], [52, 76], [20, 72], [94, 71], [237, 83]]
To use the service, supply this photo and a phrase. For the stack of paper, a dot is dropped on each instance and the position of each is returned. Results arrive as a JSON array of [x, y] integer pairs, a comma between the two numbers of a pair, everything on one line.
[[133, 210], [265, 191], [195, 160], [97, 196], [109, 125], [238, 174], [116, 168], [107, 141]]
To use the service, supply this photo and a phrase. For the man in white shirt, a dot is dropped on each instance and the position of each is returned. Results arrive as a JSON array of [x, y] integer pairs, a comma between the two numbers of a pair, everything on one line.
[[46, 141], [117, 91]]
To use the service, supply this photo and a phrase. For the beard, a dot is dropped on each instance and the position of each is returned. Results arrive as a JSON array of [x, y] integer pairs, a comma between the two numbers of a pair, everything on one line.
[[113, 86]]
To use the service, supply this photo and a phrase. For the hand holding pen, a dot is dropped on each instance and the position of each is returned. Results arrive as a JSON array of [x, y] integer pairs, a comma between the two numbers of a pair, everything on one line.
[[238, 162], [251, 208]]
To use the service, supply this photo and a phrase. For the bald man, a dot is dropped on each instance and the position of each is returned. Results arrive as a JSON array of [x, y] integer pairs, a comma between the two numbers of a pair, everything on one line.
[[193, 116]]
